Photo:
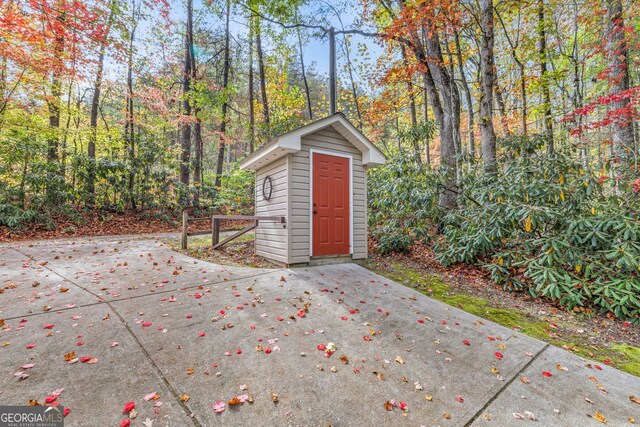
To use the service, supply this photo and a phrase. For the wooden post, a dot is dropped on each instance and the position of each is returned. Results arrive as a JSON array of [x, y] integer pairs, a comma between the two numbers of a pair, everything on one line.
[[185, 226], [215, 231], [332, 72]]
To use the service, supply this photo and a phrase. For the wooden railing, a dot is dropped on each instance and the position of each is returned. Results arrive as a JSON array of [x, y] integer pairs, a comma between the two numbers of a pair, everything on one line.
[[216, 227]]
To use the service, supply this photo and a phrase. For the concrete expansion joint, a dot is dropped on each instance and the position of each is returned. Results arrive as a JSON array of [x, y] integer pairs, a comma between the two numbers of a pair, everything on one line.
[[506, 386]]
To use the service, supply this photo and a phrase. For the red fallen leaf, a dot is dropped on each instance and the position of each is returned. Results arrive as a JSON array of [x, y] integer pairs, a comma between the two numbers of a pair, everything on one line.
[[444, 322], [344, 318], [222, 312], [50, 326], [322, 347], [252, 327], [80, 343], [267, 350], [239, 307], [547, 374], [356, 370], [29, 346], [188, 316], [280, 318], [85, 359], [460, 399], [499, 355], [125, 423], [238, 351], [366, 338], [66, 411], [420, 321], [490, 338], [50, 399], [598, 367], [352, 311], [202, 334], [402, 406], [146, 324], [128, 407], [466, 342], [607, 362], [278, 299]]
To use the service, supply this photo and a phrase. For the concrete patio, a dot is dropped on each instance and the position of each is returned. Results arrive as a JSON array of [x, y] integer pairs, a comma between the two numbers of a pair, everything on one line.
[[186, 333]]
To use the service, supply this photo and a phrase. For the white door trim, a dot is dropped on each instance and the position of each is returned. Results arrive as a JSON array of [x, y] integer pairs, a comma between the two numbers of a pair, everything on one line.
[[313, 151]]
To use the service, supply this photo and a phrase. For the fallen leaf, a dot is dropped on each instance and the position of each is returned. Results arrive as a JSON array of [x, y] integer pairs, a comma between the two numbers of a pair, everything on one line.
[[69, 356], [218, 406], [635, 399], [125, 423], [190, 371], [274, 397], [150, 396], [128, 407], [460, 399], [599, 417], [525, 380], [400, 360], [388, 406], [234, 401], [184, 397], [428, 398], [547, 374]]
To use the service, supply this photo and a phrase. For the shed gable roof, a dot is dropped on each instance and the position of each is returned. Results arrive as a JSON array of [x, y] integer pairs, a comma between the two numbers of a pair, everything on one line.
[[291, 142]]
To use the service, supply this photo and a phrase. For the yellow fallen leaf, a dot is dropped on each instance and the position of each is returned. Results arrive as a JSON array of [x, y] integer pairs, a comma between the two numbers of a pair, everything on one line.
[[184, 397], [599, 417], [635, 399], [527, 224], [190, 371], [428, 398]]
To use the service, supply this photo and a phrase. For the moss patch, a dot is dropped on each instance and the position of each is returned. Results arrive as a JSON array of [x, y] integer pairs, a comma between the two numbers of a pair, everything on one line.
[[623, 357], [629, 358]]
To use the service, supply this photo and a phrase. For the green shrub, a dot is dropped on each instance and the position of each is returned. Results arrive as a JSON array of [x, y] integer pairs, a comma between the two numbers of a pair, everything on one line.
[[547, 225], [402, 203]]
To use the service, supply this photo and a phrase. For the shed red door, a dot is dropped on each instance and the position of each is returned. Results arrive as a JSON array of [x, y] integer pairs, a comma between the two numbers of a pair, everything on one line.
[[330, 205]]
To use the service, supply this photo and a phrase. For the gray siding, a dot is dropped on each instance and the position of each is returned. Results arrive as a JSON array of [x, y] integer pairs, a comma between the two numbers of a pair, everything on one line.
[[271, 238], [327, 140]]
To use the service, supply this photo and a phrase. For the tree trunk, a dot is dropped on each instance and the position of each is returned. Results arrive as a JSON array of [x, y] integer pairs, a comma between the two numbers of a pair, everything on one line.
[[263, 82], [186, 105], [129, 125], [304, 75], [468, 98], [436, 71], [617, 55], [93, 120], [486, 103], [353, 84], [225, 84], [252, 113], [53, 105], [412, 108], [523, 82], [455, 100], [502, 109], [546, 94]]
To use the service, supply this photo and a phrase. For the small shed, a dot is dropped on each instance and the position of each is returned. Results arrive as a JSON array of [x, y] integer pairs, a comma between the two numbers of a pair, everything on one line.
[[315, 176]]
